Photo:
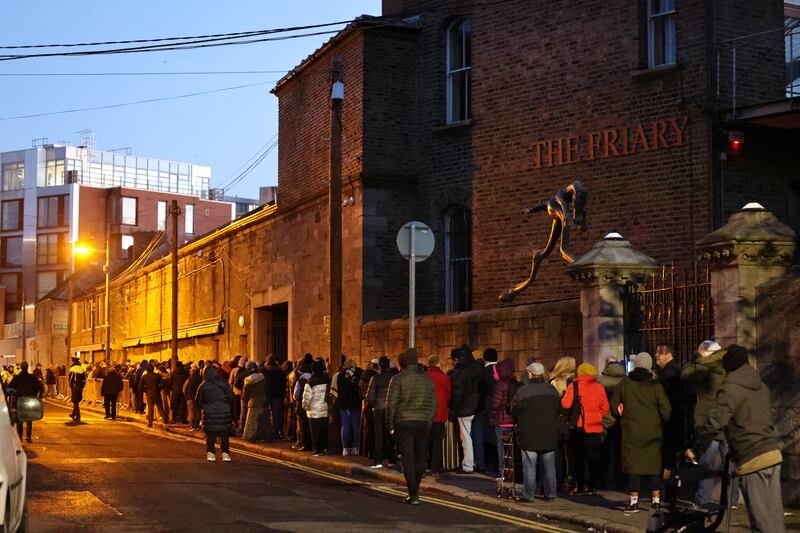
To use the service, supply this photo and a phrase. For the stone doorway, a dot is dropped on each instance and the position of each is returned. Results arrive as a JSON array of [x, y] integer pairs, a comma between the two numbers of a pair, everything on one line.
[[272, 326]]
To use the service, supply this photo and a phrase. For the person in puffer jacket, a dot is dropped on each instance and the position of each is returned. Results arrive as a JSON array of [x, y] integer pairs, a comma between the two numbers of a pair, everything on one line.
[[214, 397], [316, 406], [254, 402], [500, 416], [587, 437]]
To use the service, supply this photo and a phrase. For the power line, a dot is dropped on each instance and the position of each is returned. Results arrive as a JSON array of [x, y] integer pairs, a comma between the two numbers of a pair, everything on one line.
[[233, 174], [252, 166], [187, 73], [137, 102]]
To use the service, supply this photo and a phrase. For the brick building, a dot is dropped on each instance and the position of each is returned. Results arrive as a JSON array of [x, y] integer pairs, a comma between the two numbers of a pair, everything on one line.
[[459, 114]]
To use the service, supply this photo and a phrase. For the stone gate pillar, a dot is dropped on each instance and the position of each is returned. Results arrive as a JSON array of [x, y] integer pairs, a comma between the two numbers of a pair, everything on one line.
[[753, 248], [603, 274]]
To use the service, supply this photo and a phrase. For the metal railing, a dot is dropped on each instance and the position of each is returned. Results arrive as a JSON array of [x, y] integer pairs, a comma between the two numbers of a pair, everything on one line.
[[759, 68]]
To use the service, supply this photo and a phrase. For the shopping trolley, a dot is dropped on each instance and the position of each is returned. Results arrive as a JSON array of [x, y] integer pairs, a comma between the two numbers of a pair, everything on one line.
[[505, 483]]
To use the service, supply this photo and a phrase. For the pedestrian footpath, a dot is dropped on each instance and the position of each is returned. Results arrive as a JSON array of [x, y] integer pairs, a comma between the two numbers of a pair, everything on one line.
[[599, 513]]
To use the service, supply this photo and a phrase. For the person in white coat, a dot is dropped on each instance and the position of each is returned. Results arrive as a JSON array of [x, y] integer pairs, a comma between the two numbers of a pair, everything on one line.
[[316, 406]]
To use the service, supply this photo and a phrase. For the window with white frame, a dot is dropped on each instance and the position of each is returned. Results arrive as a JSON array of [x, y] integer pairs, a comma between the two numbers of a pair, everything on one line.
[[161, 223], [13, 176], [189, 218], [459, 70], [660, 33], [129, 209], [458, 259]]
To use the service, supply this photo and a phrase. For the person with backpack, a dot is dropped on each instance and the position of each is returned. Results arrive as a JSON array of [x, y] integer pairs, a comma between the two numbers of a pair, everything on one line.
[[642, 406], [348, 401], [586, 398], [25, 385], [500, 412], [214, 397], [77, 380]]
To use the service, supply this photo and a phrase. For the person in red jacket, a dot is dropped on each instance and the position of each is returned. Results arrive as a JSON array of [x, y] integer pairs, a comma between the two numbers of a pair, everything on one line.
[[442, 384], [587, 436]]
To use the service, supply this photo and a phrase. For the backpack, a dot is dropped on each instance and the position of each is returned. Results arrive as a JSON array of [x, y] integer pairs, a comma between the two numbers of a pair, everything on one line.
[[513, 387]]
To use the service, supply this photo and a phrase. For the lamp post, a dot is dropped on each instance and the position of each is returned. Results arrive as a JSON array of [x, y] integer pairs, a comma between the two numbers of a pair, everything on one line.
[[83, 250]]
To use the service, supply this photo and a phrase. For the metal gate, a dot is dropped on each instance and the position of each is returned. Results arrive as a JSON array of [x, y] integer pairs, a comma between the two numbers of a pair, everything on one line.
[[673, 306]]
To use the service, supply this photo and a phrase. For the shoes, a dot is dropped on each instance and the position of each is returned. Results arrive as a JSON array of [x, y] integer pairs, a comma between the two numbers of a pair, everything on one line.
[[412, 500], [346, 452], [226, 457], [195, 429], [590, 492], [734, 507], [436, 474], [353, 451], [210, 457], [106, 417], [150, 425], [29, 440], [575, 491], [547, 499], [464, 471], [520, 499], [376, 466], [631, 508], [318, 454], [114, 418], [303, 449], [391, 465]]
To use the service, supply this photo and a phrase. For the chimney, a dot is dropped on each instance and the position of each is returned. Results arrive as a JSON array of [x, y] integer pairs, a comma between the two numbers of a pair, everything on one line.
[[390, 7]]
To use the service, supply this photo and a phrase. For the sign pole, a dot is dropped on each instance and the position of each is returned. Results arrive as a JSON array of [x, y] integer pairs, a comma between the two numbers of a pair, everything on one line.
[[412, 267]]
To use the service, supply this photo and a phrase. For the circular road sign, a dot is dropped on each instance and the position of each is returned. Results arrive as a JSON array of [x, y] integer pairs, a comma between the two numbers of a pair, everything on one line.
[[423, 241]]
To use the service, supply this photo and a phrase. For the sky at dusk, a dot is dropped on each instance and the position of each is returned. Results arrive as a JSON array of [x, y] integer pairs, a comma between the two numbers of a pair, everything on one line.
[[222, 130]]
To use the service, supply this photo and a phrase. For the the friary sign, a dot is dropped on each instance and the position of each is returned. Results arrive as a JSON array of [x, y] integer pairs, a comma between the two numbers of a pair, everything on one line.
[[610, 142]]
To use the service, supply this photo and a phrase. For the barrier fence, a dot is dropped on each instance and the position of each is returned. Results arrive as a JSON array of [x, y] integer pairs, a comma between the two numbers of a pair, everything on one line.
[[91, 392]]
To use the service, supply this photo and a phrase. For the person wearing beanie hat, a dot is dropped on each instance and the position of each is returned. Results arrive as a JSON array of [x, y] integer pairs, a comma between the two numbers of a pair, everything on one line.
[[704, 378], [643, 407], [743, 411], [376, 401], [587, 435], [410, 408], [535, 408]]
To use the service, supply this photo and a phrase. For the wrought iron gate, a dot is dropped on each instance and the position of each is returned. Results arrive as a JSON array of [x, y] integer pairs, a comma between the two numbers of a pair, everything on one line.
[[673, 306]]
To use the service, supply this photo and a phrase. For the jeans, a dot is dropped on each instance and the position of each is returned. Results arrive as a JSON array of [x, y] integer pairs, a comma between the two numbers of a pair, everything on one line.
[[110, 405], [762, 495], [714, 458], [29, 429], [465, 426], [319, 433], [436, 449], [499, 431], [529, 460], [351, 427], [412, 439], [276, 415], [482, 434], [224, 441]]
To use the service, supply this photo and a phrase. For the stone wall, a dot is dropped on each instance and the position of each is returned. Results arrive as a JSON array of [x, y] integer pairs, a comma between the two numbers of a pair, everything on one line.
[[778, 353], [546, 330]]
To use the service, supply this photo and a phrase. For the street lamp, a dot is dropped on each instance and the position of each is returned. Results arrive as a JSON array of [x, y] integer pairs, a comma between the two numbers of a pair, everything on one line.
[[82, 250]]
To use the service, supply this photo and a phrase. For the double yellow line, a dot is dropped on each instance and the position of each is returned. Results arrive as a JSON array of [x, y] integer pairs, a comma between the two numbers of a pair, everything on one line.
[[485, 513]]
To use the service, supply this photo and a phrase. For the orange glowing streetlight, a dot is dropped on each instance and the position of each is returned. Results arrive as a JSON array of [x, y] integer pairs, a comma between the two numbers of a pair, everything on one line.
[[81, 250]]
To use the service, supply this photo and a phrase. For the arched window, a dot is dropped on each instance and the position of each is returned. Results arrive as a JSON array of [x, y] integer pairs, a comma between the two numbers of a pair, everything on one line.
[[458, 259], [459, 69]]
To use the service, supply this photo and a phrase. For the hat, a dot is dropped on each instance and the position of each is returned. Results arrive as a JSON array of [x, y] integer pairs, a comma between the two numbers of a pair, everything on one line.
[[489, 355], [536, 369], [643, 360], [477, 354], [735, 357], [374, 361], [408, 358], [24, 365], [706, 348], [586, 369]]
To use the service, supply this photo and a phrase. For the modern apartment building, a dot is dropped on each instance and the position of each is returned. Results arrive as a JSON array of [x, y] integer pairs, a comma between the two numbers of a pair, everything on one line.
[[55, 195]]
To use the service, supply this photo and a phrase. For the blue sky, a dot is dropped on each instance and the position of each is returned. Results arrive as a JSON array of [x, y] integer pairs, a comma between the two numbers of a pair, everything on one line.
[[222, 130]]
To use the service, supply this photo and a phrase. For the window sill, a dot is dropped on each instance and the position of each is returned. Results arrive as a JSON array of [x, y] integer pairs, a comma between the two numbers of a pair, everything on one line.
[[455, 126], [654, 72]]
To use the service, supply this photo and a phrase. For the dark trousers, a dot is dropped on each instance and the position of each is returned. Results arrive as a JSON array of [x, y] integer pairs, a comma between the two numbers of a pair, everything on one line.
[[303, 429], [110, 405], [319, 433], [155, 401], [483, 434], [611, 460], [586, 459], [178, 403], [384, 444], [412, 440], [437, 439], [29, 429], [237, 408], [276, 415], [140, 402], [224, 441], [76, 408]]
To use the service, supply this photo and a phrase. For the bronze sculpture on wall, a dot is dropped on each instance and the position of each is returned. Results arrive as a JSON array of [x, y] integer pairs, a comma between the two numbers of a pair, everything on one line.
[[567, 208]]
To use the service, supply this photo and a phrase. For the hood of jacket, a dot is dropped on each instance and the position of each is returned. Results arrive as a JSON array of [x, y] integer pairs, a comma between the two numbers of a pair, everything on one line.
[[745, 376], [614, 370], [640, 374], [254, 378], [712, 362], [210, 373], [505, 369]]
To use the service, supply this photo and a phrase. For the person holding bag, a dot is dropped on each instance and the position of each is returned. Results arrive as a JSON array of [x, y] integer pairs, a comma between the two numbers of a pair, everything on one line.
[[642, 405], [587, 403]]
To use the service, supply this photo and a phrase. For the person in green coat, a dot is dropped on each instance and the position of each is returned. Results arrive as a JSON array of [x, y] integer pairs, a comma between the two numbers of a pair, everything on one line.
[[642, 406]]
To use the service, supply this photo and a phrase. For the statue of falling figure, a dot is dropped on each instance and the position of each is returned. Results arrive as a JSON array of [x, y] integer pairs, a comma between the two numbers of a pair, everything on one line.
[[567, 208]]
